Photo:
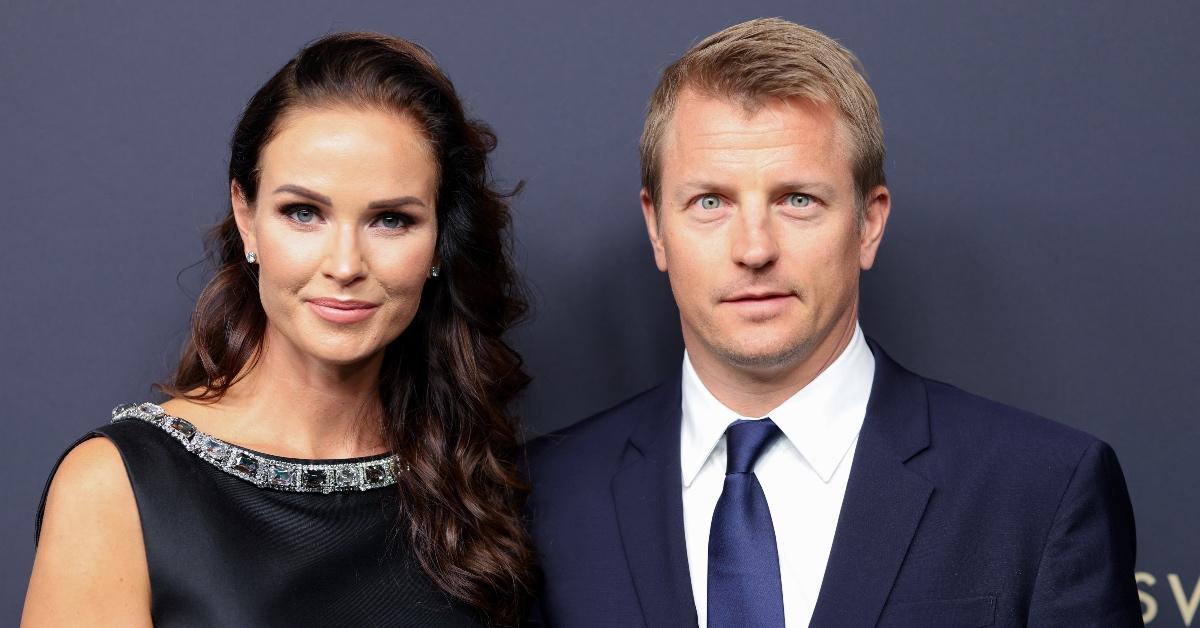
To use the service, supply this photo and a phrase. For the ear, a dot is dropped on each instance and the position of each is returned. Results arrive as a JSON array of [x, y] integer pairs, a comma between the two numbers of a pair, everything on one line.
[[652, 229], [877, 207], [243, 214]]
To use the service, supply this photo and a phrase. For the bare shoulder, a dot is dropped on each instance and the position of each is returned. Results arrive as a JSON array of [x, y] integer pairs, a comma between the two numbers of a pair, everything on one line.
[[90, 567], [92, 475]]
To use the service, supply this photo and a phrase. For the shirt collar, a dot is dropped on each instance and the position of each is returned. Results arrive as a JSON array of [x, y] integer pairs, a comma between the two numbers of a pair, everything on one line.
[[821, 421]]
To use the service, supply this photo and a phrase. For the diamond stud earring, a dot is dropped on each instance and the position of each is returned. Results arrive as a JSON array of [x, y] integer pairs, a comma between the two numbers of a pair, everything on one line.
[[434, 271], [251, 257]]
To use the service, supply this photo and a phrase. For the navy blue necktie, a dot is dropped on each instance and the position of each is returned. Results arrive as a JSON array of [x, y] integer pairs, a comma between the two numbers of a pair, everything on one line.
[[744, 588]]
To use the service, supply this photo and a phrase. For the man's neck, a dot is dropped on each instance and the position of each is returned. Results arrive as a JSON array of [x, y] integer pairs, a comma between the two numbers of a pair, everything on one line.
[[756, 391]]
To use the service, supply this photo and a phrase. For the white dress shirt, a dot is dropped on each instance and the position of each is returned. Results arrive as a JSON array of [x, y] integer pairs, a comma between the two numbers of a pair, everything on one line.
[[803, 473]]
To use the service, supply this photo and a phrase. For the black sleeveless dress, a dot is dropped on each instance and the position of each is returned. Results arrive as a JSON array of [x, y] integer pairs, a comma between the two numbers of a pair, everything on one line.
[[238, 538]]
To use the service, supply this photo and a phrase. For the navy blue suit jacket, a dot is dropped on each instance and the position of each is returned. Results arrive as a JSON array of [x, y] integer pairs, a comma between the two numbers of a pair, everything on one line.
[[959, 512]]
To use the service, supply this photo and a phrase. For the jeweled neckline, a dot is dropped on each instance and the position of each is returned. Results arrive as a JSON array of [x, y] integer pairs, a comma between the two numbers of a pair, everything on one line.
[[265, 471]]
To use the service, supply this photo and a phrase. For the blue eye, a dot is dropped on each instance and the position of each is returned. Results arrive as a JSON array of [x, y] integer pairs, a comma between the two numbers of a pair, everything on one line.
[[300, 213], [799, 201], [393, 221], [709, 201]]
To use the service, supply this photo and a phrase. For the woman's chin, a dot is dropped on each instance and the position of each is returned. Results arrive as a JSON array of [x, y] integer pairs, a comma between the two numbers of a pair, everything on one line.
[[344, 357]]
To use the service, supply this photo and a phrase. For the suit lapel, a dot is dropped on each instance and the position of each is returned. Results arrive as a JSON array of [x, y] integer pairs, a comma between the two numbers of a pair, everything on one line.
[[648, 495], [884, 500]]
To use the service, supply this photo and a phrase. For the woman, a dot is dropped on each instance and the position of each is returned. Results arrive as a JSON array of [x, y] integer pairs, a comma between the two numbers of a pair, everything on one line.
[[336, 450]]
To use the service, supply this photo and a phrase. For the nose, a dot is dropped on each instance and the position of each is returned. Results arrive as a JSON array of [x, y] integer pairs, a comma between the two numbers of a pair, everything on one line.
[[755, 245], [344, 259]]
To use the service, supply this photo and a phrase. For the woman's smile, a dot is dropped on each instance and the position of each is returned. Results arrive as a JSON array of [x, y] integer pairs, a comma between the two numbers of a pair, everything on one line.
[[342, 311]]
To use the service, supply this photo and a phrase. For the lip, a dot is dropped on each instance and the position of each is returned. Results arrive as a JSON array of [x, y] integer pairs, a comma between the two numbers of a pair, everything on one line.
[[759, 305], [342, 311], [757, 296]]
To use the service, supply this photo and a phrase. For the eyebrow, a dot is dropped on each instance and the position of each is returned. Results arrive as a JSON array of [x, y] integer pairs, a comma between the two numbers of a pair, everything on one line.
[[821, 189], [305, 192], [395, 203], [391, 203], [689, 188]]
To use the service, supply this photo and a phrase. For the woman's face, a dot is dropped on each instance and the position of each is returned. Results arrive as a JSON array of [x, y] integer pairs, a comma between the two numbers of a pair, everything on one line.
[[344, 227]]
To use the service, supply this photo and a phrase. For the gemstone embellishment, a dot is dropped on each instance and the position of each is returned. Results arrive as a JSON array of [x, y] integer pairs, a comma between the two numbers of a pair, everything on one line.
[[314, 478], [187, 430], [375, 474], [245, 464], [266, 471], [213, 448], [282, 476], [349, 476]]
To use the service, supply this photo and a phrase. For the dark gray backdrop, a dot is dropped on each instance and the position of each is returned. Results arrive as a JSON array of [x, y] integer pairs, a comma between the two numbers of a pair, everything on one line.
[[1041, 250]]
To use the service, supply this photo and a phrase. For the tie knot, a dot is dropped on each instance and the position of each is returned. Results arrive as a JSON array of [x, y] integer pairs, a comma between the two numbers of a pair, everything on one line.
[[745, 441]]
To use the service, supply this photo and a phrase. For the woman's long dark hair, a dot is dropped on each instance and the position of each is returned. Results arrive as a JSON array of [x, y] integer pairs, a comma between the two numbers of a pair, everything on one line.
[[448, 380]]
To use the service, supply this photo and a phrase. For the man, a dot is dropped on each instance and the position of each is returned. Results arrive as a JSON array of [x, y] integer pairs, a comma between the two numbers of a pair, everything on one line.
[[792, 472]]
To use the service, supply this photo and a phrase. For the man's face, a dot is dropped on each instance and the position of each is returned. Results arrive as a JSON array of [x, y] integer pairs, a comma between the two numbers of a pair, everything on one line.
[[758, 230]]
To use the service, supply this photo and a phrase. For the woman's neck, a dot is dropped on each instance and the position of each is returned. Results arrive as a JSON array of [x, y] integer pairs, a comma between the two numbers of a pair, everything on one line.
[[292, 405]]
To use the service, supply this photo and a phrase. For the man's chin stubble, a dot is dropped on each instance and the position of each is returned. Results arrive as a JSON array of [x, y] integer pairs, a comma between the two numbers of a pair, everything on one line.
[[778, 359]]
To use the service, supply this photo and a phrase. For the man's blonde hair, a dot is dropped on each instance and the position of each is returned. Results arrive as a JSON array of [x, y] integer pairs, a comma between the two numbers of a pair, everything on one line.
[[764, 59]]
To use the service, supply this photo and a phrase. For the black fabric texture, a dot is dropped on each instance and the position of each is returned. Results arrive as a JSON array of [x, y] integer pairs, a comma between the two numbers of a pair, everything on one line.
[[224, 552]]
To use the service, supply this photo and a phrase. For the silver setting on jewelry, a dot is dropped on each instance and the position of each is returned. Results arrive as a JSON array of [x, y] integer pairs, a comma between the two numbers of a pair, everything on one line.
[[266, 471], [251, 257], [434, 271]]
